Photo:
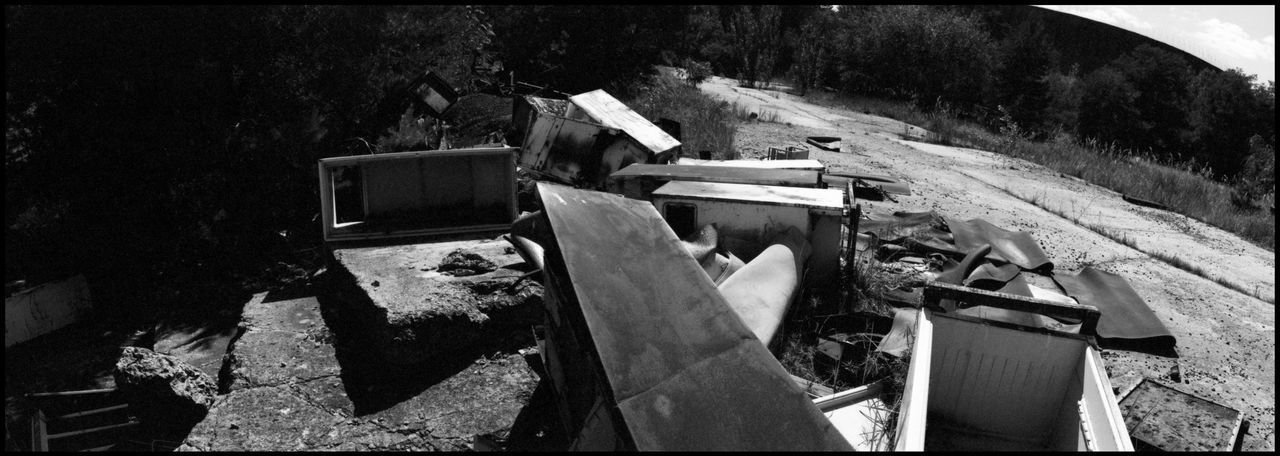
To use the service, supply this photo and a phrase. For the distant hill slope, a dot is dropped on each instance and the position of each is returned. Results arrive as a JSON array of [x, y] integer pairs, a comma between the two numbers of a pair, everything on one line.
[[1090, 43]]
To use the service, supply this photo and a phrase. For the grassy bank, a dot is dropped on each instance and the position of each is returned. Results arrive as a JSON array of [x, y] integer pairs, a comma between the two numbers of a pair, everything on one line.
[[1182, 190], [706, 123]]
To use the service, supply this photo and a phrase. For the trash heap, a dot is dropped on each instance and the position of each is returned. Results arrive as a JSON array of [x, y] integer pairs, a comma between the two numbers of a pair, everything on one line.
[[675, 289]]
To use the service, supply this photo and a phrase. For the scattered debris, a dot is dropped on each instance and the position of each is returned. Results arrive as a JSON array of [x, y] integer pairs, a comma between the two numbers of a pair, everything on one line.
[[831, 143], [1163, 418], [461, 263], [1143, 202], [788, 153]]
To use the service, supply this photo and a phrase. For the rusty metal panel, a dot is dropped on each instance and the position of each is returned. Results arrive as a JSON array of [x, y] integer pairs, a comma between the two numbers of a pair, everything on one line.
[[417, 193], [680, 366]]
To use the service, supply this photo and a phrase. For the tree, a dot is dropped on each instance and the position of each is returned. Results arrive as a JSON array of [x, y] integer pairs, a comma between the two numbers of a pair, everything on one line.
[[926, 54], [578, 48], [1107, 109], [1223, 116], [813, 50], [1064, 93], [1026, 57], [756, 36], [1161, 79]]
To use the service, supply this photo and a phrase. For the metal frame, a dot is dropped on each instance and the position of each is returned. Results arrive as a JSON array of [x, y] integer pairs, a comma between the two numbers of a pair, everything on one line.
[[332, 231]]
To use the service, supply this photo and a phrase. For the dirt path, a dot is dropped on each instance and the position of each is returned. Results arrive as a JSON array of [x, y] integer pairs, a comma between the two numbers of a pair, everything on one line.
[[1226, 335]]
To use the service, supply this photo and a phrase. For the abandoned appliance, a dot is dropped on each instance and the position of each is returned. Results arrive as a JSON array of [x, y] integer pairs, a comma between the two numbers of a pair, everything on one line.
[[583, 141], [747, 215], [600, 107], [434, 95], [417, 193], [638, 181], [975, 384], [808, 164], [641, 350]]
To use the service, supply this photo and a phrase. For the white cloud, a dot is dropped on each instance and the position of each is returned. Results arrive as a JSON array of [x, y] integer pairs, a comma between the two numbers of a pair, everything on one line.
[[1230, 39], [1113, 16]]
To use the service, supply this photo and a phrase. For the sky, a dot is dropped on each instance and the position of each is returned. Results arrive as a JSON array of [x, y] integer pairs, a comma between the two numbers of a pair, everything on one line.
[[1227, 36]]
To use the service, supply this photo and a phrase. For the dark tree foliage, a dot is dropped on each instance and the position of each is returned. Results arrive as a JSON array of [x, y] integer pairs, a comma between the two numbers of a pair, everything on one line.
[[916, 52], [147, 135], [1161, 78], [578, 48], [1026, 58], [1223, 115], [1107, 107]]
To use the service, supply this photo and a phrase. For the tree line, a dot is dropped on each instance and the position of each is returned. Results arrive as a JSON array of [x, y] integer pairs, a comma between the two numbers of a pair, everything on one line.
[[141, 137]]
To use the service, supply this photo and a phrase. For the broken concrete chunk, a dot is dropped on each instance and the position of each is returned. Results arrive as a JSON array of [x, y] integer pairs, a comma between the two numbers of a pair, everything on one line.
[[462, 263], [163, 390]]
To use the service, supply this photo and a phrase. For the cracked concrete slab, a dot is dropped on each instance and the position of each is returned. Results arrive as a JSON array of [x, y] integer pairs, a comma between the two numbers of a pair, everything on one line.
[[412, 312], [299, 386]]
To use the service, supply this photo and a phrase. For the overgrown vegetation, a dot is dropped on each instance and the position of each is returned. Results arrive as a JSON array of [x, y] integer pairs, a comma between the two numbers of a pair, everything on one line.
[[705, 123]]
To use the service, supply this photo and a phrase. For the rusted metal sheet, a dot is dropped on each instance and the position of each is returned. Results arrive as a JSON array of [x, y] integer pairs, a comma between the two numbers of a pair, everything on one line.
[[676, 365], [1161, 417], [417, 193], [578, 152], [638, 181], [600, 107]]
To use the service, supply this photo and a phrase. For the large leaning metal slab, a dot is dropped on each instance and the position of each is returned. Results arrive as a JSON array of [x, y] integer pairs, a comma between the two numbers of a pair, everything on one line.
[[667, 364], [417, 193], [412, 311]]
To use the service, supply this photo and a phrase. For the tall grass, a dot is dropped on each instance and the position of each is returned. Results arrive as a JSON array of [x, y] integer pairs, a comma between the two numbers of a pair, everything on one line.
[[1184, 189], [705, 123]]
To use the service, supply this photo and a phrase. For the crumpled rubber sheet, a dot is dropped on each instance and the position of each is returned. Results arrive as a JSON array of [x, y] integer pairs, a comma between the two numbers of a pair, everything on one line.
[[1126, 319], [929, 232], [1017, 247]]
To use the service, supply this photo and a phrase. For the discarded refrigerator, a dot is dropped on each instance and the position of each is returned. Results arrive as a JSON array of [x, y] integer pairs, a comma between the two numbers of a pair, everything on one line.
[[746, 215], [638, 181], [975, 385], [417, 193]]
